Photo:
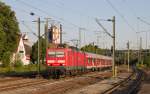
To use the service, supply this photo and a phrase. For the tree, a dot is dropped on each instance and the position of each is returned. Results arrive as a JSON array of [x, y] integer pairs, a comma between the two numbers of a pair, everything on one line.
[[34, 52], [6, 59], [147, 61], [89, 48], [9, 31], [94, 49]]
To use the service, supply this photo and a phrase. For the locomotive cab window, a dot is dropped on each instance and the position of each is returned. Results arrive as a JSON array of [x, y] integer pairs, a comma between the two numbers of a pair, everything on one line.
[[56, 54], [51, 54], [60, 54]]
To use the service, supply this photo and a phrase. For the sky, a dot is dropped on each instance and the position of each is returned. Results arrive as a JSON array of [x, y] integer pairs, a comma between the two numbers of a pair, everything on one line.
[[75, 14]]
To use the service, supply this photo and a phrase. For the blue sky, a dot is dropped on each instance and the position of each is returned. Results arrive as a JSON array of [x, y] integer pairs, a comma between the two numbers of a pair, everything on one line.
[[73, 14]]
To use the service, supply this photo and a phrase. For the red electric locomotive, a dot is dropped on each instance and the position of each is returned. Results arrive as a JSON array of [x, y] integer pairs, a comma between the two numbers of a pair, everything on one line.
[[67, 60]]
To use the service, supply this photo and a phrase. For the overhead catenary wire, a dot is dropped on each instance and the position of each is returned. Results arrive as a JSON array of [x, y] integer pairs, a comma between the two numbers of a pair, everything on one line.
[[62, 5], [20, 10], [122, 16], [46, 13], [131, 9], [31, 29], [52, 16], [139, 18], [70, 9], [23, 23], [55, 17], [29, 5], [143, 21]]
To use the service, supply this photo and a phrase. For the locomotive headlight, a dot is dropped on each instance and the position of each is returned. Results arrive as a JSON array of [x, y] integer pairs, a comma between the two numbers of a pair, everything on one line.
[[50, 61], [61, 61], [63, 64]]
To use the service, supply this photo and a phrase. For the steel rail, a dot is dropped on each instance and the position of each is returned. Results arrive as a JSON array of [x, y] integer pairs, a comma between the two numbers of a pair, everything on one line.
[[117, 85], [132, 87], [21, 85]]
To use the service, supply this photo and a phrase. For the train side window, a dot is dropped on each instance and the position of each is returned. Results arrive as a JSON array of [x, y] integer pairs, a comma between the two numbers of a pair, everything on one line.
[[93, 60], [89, 60]]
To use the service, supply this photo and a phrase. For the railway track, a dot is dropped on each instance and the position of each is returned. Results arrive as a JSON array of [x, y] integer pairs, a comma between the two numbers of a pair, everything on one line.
[[54, 86], [128, 86], [2, 80], [22, 84], [134, 86], [67, 86]]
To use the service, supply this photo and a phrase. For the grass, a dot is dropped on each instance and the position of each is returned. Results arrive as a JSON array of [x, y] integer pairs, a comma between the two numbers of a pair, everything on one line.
[[145, 63], [21, 69]]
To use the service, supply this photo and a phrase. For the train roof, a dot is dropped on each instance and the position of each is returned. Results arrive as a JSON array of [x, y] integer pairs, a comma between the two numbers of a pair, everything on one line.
[[97, 56], [87, 53]]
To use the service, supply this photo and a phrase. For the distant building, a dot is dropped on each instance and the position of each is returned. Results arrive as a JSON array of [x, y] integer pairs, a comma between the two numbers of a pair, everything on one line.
[[23, 50], [54, 34]]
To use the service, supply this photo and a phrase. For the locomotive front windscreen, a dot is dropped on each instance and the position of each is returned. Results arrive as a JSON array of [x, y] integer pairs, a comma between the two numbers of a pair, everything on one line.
[[56, 54]]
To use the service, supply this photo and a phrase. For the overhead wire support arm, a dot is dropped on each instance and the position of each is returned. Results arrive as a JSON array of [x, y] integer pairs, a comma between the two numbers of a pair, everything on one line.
[[97, 21]]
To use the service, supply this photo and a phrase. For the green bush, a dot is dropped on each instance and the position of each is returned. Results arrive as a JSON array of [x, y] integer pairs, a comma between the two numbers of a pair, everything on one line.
[[18, 63], [147, 61], [6, 59], [9, 30]]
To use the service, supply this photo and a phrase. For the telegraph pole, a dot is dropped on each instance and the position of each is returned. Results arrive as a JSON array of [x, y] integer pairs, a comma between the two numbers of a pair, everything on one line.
[[114, 69], [114, 73], [124, 58], [146, 41], [128, 47], [140, 49], [80, 28], [38, 46], [79, 38], [98, 40], [149, 50], [46, 32], [60, 34], [38, 22]]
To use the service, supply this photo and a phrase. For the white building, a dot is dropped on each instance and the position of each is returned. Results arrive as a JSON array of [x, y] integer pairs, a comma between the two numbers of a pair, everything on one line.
[[54, 34], [23, 50]]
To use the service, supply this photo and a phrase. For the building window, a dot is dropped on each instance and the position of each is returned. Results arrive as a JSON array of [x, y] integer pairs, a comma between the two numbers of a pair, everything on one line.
[[21, 51]]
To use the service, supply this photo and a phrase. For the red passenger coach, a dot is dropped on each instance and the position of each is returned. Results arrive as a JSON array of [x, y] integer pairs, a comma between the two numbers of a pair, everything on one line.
[[62, 60]]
